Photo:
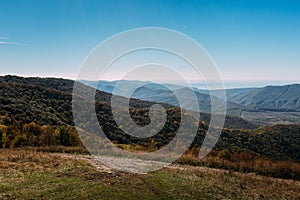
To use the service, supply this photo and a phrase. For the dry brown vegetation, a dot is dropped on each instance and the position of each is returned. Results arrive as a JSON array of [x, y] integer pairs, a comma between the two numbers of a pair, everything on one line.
[[243, 162], [30, 174]]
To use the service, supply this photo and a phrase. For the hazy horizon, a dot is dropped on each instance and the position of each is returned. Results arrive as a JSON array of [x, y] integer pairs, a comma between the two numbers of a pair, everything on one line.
[[228, 84]]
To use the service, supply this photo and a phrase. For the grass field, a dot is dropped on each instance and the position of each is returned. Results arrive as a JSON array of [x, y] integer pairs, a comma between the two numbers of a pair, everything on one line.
[[28, 174]]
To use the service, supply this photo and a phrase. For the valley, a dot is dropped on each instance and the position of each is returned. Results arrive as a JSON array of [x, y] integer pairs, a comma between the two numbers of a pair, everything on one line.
[[263, 106]]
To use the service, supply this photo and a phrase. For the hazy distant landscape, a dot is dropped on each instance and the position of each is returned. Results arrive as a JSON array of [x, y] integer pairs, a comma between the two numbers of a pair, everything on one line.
[[265, 105]]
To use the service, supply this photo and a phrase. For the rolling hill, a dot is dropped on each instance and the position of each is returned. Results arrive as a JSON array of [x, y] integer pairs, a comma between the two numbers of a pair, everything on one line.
[[32, 99], [33, 109], [271, 97], [229, 92], [43, 106], [167, 93]]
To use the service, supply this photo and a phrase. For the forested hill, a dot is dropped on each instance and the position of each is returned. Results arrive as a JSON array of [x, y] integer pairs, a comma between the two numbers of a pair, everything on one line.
[[277, 142], [47, 101], [38, 112], [63, 85], [43, 106]]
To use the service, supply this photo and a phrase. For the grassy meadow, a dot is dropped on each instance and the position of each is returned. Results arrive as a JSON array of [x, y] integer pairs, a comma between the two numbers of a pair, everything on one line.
[[31, 174]]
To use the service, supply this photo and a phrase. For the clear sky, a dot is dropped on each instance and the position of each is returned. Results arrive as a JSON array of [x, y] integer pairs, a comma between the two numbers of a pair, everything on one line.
[[248, 40]]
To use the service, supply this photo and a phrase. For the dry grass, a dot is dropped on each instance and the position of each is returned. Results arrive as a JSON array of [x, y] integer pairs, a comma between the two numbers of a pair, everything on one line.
[[30, 174], [59, 149], [247, 184], [34, 159], [258, 165]]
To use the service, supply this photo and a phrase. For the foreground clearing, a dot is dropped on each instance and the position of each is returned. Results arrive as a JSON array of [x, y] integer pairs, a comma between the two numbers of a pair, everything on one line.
[[27, 174]]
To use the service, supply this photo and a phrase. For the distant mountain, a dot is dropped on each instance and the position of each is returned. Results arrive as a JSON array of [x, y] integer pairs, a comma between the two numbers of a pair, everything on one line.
[[271, 97], [108, 86], [229, 92], [167, 93], [124, 85], [169, 97]]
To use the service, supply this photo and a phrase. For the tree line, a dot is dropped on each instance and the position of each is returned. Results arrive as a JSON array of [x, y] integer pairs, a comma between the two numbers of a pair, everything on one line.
[[13, 134]]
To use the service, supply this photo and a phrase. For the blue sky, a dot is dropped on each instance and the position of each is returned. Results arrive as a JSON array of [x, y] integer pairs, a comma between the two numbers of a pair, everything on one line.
[[248, 40]]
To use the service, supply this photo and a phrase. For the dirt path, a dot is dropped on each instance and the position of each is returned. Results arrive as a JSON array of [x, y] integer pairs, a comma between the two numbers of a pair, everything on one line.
[[135, 164]]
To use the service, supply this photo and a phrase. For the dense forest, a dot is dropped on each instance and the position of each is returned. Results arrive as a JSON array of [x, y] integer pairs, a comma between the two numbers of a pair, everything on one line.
[[38, 112]]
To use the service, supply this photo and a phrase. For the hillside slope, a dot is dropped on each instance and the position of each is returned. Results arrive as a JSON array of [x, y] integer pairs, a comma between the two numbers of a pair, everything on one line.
[[272, 97], [167, 93], [48, 102], [278, 142]]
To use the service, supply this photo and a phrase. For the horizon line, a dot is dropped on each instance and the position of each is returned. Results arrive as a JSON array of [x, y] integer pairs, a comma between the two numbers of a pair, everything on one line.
[[178, 81]]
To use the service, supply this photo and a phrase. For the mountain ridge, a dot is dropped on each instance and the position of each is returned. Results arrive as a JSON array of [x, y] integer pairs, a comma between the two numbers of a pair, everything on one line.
[[272, 97]]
